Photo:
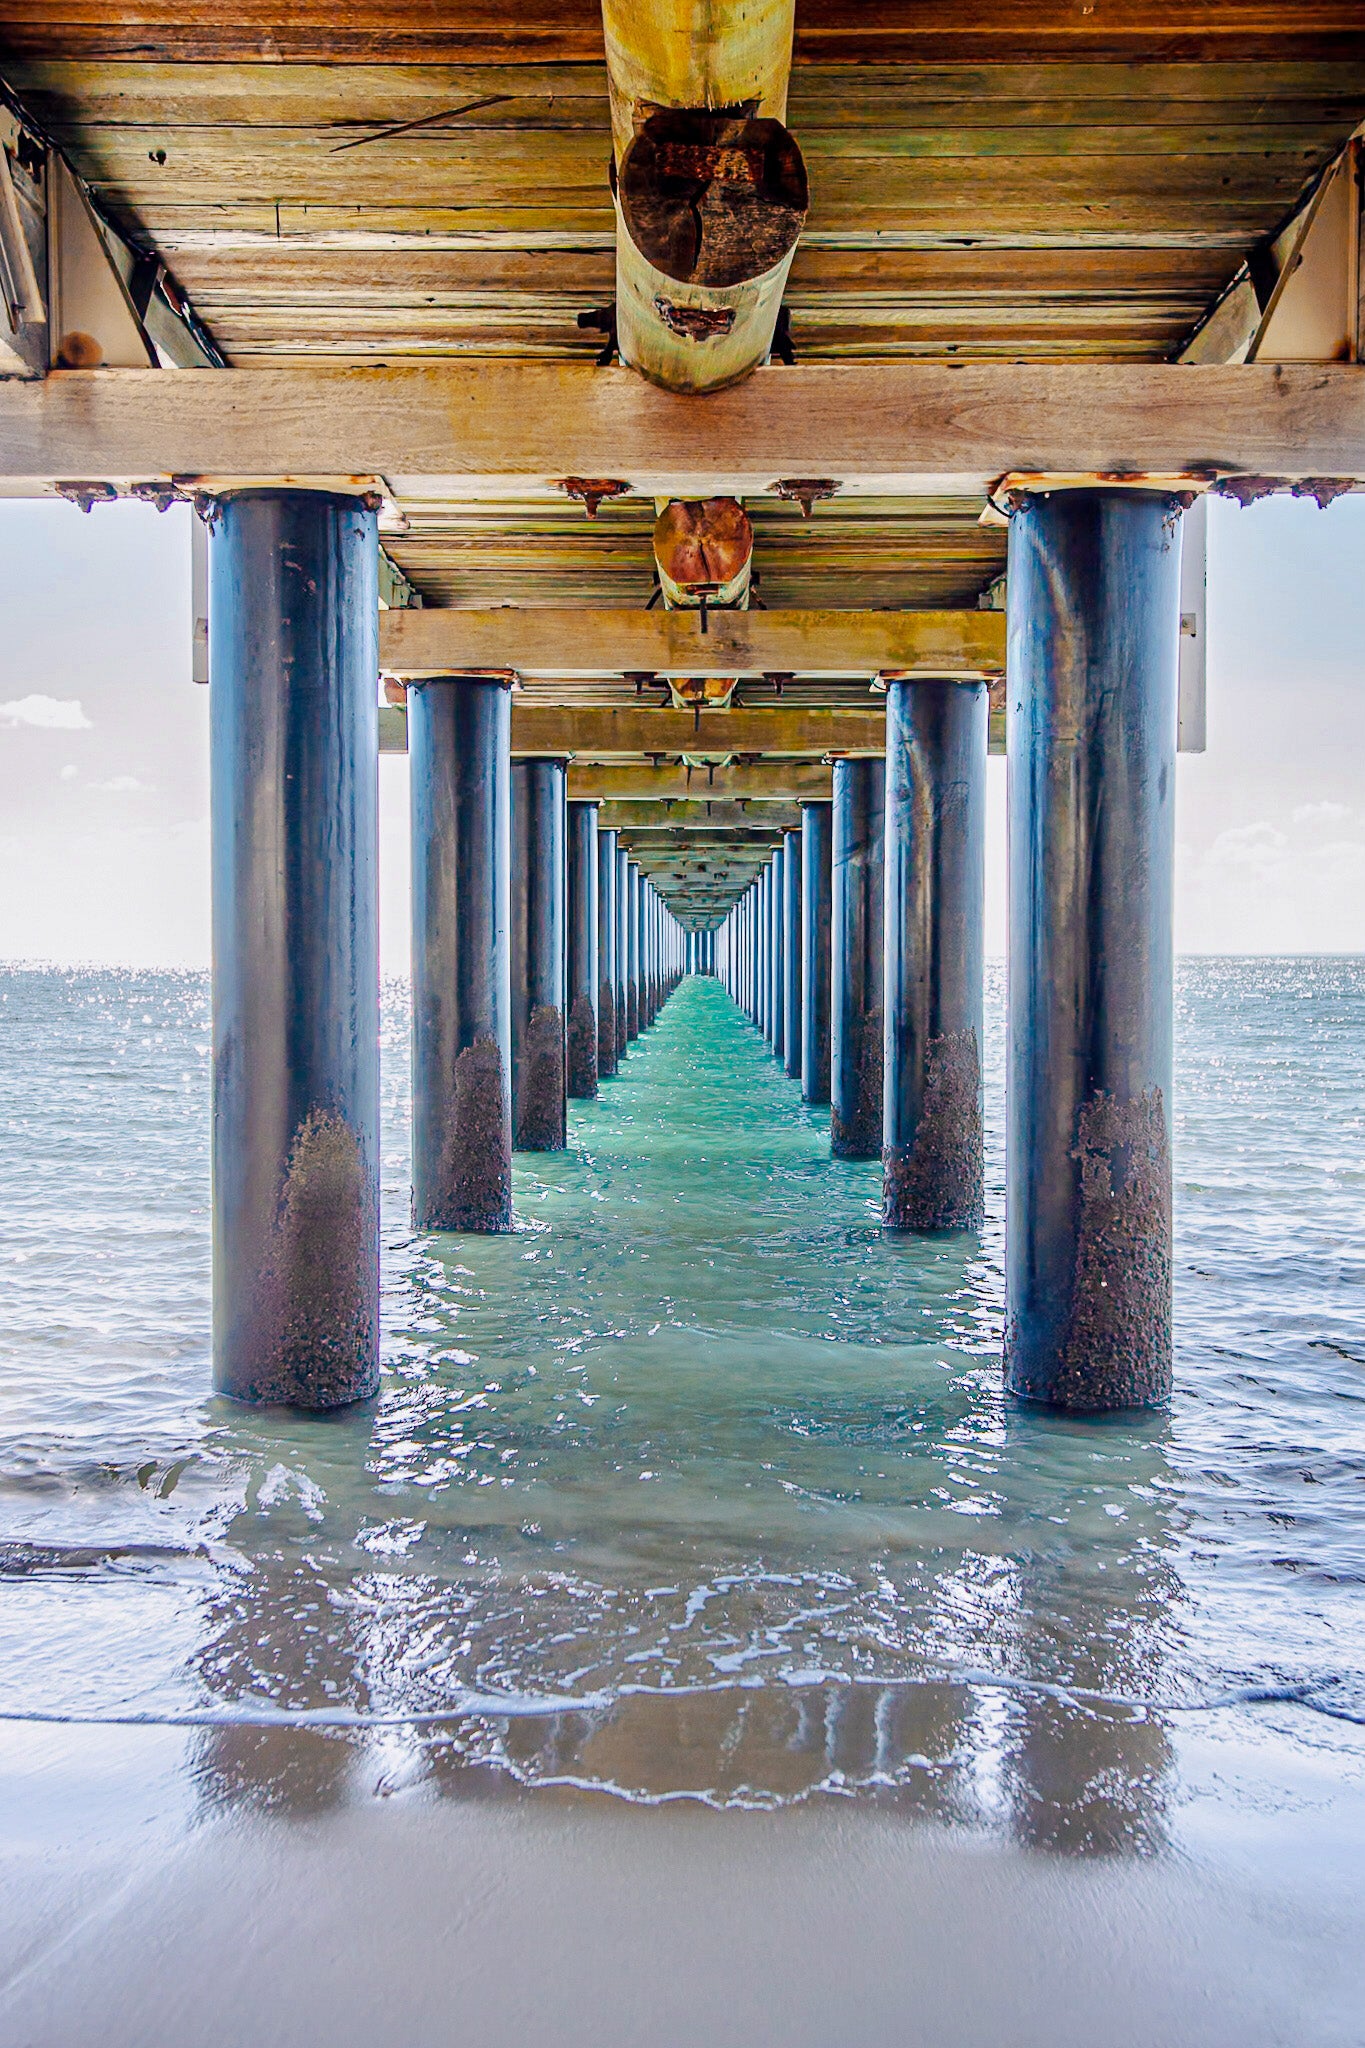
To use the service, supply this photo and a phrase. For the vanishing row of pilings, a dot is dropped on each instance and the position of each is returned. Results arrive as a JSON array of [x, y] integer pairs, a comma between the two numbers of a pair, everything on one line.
[[540, 950], [858, 950]]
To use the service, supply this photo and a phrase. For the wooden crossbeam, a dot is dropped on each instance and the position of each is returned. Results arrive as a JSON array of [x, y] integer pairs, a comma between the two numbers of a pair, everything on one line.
[[580, 644], [495, 426], [640, 782], [703, 846], [697, 816], [602, 732]]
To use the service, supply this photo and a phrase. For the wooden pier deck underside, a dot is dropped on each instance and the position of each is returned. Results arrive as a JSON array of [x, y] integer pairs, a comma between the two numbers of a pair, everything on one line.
[[1015, 187]]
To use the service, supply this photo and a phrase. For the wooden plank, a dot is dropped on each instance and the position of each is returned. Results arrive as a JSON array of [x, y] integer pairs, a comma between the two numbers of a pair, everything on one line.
[[570, 31], [607, 735], [170, 178], [695, 815], [980, 94], [775, 781], [664, 842], [889, 428], [604, 643], [165, 160], [598, 733], [286, 273]]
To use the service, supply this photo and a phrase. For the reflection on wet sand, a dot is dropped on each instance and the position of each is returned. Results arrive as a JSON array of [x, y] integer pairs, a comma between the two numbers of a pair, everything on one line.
[[1086, 1777], [1087, 1610]]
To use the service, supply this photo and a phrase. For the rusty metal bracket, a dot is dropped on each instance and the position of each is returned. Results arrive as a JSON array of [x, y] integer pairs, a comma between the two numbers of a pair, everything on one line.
[[806, 491], [1248, 490], [157, 491], [1012, 490], [87, 494], [592, 491], [602, 319]]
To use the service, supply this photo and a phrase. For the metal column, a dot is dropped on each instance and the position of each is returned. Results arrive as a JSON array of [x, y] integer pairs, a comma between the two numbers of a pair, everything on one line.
[[582, 951], [459, 737], [645, 912], [756, 947], [606, 952], [622, 950], [935, 883], [295, 1134], [856, 960], [778, 913], [761, 953], [791, 954], [815, 951], [770, 899], [633, 1024], [1094, 580], [538, 956]]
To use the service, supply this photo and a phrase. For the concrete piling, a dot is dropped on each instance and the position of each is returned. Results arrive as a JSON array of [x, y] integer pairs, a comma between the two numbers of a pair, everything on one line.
[[816, 910], [777, 909], [606, 952], [622, 952], [791, 954], [459, 739], [583, 974], [1094, 579], [295, 1131], [856, 959], [632, 949], [935, 869], [538, 956]]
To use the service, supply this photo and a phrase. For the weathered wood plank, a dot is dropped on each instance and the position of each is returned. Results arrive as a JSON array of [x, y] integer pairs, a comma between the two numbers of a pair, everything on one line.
[[592, 643], [287, 272], [775, 781], [1060, 91], [457, 170], [888, 428], [571, 30], [598, 733], [313, 161], [313, 91], [695, 815]]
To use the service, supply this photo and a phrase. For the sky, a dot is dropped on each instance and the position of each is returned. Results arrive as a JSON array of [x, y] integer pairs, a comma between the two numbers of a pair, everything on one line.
[[104, 745]]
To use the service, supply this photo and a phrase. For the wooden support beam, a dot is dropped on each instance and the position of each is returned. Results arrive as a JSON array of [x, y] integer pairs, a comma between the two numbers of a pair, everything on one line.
[[695, 816], [496, 428], [664, 836], [702, 873], [608, 736], [792, 782], [587, 644], [716, 853], [596, 732]]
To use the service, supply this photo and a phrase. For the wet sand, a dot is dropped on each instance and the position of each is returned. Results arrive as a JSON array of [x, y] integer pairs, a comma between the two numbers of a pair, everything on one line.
[[303, 1911]]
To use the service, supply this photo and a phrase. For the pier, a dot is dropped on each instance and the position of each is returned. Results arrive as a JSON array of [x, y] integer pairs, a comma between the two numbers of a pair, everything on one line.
[[696, 531]]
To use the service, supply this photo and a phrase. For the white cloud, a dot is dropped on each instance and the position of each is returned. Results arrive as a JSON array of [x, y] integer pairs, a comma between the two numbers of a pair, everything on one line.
[[1328, 816], [1254, 846], [69, 773], [1259, 888], [48, 714], [124, 785]]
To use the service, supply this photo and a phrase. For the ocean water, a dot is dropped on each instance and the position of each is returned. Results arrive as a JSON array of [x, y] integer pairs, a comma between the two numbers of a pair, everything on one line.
[[697, 1487]]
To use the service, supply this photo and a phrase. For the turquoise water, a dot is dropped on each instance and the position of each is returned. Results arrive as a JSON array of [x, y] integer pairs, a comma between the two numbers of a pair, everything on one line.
[[698, 1485]]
